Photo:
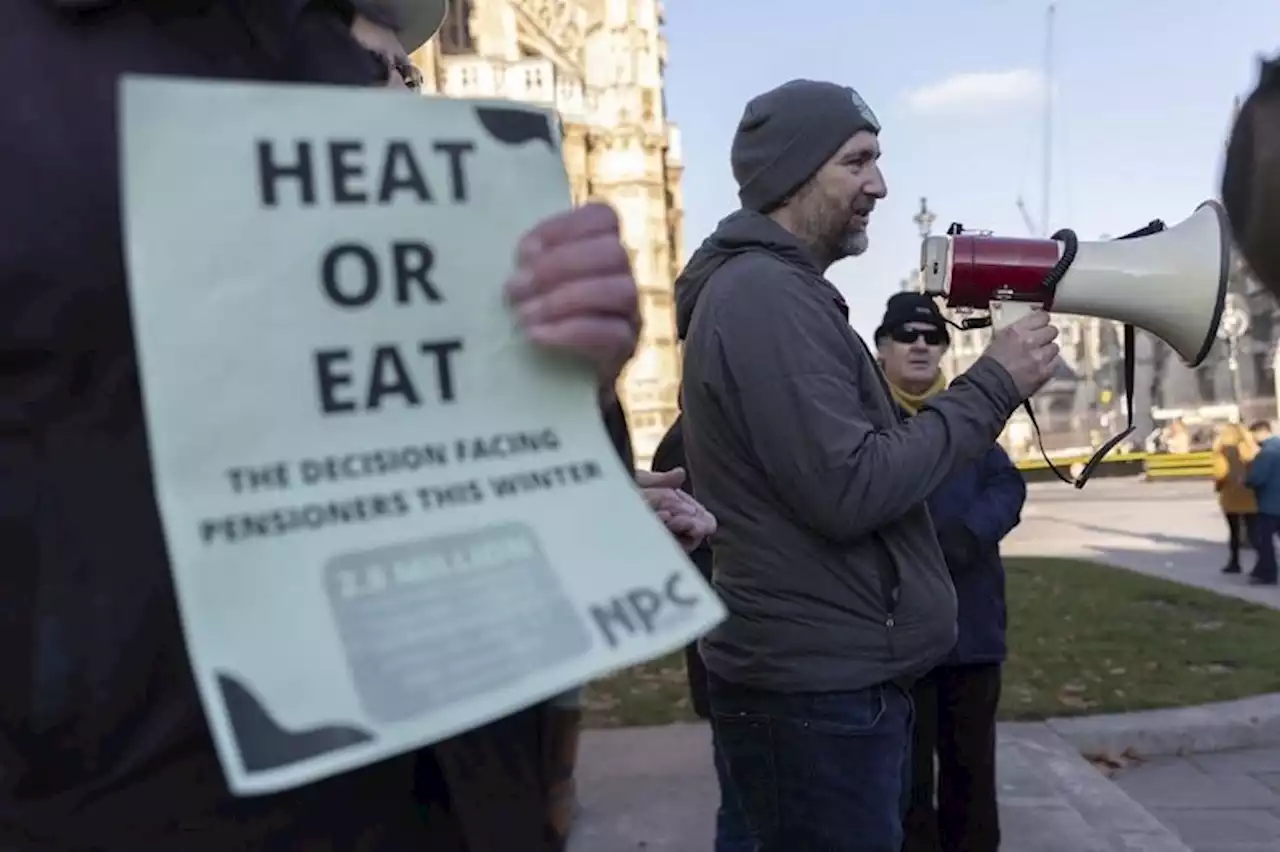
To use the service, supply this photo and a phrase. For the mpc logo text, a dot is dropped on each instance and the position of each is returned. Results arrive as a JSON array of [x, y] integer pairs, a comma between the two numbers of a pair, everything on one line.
[[643, 610]]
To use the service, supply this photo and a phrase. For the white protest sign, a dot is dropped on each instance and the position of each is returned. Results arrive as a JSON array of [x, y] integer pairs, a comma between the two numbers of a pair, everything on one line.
[[390, 519]]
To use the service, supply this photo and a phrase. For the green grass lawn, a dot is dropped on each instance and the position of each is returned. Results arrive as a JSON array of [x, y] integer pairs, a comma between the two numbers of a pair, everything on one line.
[[1084, 639]]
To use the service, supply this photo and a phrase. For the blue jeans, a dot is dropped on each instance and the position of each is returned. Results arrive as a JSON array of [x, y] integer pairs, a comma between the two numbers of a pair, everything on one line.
[[732, 832], [817, 772]]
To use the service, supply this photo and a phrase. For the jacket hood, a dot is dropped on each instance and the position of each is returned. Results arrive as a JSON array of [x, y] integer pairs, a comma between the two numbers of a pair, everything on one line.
[[738, 233]]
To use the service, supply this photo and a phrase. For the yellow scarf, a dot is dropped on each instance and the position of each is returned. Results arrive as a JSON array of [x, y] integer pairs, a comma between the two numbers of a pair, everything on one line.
[[912, 402]]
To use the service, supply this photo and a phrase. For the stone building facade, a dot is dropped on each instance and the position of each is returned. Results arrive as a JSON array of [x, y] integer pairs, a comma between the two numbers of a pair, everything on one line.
[[601, 65]]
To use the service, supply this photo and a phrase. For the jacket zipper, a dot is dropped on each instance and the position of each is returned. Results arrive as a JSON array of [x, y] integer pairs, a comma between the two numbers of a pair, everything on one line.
[[891, 592]]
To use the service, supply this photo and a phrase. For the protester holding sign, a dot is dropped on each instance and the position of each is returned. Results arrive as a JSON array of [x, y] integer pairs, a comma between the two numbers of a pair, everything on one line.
[[104, 744], [560, 718]]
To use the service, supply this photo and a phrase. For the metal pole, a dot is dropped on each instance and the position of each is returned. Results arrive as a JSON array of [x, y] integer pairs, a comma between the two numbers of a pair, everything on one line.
[[1233, 365], [1232, 328], [924, 219], [1275, 372]]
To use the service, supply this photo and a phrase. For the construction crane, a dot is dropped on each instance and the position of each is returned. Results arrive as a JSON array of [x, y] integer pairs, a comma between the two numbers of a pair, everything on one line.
[[1046, 179], [1032, 230]]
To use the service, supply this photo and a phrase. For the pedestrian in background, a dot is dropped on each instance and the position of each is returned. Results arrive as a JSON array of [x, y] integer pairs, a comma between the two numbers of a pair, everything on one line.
[[973, 509], [1263, 477], [1233, 450], [1177, 437]]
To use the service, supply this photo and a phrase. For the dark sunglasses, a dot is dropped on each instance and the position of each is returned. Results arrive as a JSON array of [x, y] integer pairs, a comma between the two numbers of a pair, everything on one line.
[[408, 72], [932, 336]]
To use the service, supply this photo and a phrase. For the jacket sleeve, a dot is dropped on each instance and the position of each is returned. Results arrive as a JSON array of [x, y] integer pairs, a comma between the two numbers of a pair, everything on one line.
[[669, 453], [1258, 473], [787, 357], [615, 421], [998, 508]]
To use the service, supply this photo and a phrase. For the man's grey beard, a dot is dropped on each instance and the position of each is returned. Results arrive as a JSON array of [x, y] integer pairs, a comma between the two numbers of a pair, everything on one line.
[[854, 243], [829, 248]]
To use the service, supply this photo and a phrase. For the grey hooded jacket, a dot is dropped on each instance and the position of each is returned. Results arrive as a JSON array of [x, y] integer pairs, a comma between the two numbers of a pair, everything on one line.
[[825, 556]]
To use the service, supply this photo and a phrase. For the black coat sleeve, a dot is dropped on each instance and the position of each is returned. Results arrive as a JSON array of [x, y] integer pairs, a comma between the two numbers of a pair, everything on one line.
[[615, 420], [670, 452]]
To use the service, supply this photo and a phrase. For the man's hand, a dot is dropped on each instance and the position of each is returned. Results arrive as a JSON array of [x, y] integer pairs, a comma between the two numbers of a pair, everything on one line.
[[684, 517], [1027, 352], [573, 290]]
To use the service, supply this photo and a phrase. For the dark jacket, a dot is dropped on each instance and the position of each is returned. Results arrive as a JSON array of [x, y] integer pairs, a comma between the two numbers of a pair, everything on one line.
[[825, 555], [973, 510], [668, 456], [1263, 476], [103, 743]]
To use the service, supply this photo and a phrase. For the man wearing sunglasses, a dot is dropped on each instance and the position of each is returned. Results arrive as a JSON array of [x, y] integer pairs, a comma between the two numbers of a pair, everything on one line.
[[973, 509]]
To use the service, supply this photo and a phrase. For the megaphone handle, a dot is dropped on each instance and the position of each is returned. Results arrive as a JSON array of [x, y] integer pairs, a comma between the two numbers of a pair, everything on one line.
[[1006, 313]]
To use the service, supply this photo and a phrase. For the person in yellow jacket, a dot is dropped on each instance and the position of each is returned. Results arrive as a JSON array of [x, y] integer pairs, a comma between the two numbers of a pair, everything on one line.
[[1233, 450]]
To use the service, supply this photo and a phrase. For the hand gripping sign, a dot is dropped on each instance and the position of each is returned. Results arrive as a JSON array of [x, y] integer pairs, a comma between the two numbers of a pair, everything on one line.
[[390, 519]]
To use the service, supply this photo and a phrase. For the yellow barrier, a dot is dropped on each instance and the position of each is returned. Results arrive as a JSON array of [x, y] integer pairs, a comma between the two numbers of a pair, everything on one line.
[[1179, 465], [1117, 464], [1065, 462]]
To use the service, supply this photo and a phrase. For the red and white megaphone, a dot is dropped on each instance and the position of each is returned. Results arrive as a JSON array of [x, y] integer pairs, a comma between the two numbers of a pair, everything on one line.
[[1171, 282]]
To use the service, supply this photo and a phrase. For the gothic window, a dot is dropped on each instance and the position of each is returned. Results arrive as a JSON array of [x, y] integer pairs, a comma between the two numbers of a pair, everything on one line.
[[658, 318], [455, 32], [647, 100], [647, 420], [656, 304]]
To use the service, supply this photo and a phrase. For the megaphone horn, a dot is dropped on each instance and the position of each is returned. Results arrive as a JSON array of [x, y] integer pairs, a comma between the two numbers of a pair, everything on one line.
[[1171, 282]]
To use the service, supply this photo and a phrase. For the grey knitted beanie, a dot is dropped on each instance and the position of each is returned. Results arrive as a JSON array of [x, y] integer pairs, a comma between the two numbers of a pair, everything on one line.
[[787, 133]]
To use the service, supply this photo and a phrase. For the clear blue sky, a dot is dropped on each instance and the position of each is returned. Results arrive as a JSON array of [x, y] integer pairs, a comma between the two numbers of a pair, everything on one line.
[[1142, 104]]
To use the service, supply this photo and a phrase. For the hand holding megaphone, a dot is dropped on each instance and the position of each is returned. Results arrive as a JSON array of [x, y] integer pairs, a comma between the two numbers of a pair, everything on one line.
[[1026, 349]]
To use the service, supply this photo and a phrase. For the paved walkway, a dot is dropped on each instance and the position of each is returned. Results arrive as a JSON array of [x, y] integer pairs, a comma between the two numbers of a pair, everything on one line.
[[1226, 802], [653, 789]]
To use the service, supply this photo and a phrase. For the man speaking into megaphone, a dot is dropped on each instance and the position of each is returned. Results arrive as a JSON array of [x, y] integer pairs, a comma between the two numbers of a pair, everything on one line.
[[837, 591]]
